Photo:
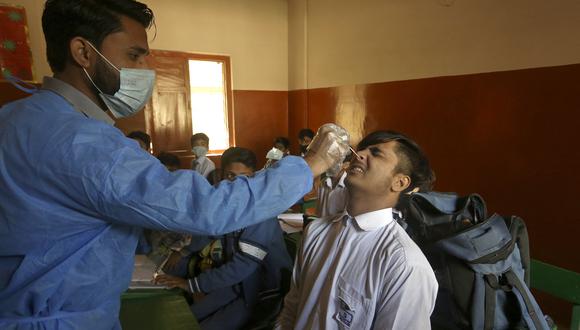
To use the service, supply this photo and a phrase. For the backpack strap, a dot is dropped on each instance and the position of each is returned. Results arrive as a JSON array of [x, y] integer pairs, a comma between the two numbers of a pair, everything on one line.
[[519, 231], [491, 284], [528, 305]]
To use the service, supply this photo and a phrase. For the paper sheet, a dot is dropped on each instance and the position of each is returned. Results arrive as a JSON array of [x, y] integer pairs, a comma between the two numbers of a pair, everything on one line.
[[143, 274]]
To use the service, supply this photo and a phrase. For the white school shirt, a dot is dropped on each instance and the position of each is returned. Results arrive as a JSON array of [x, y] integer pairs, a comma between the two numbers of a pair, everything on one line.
[[359, 273], [203, 166], [331, 200]]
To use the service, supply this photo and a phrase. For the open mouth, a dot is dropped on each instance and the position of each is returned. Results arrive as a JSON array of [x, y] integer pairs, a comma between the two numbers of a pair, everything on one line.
[[356, 169]]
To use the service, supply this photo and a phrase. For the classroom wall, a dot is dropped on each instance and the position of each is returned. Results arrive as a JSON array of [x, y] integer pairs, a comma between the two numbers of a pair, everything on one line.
[[359, 42], [490, 89]]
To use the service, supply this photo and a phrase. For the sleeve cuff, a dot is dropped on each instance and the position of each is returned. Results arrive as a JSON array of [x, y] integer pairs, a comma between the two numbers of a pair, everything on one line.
[[193, 285]]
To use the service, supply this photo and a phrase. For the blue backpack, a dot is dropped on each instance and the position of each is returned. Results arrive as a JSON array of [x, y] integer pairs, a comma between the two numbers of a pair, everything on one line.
[[481, 263]]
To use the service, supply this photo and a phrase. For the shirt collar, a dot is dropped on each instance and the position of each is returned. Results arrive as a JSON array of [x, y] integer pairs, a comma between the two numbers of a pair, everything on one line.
[[328, 181], [371, 220], [341, 180], [78, 100]]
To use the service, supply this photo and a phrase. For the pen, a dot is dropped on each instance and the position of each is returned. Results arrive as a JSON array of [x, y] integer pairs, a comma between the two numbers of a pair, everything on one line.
[[159, 268]]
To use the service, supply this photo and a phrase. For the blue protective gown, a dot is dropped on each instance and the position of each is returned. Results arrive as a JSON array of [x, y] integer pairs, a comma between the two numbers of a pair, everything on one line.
[[73, 192]]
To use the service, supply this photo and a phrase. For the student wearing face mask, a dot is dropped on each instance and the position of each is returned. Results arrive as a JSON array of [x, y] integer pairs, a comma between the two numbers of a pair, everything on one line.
[[273, 156], [283, 144], [199, 147], [75, 191], [229, 276]]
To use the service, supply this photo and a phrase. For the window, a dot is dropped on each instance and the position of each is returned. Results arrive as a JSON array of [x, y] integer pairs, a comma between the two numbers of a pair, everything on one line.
[[209, 111], [192, 94]]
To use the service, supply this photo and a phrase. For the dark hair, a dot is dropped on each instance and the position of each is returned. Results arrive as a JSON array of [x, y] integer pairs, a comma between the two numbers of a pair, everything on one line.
[[169, 159], [139, 135], [199, 136], [62, 20], [412, 161], [239, 155], [283, 141], [306, 132], [215, 176]]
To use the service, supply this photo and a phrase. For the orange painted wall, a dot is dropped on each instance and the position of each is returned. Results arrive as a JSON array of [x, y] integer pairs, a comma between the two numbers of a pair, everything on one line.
[[260, 116], [297, 117]]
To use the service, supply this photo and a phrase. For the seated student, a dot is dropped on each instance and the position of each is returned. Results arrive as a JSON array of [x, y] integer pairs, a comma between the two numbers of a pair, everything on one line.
[[200, 147], [170, 161], [359, 269], [143, 138], [332, 192], [167, 247], [283, 144], [305, 136], [234, 272], [273, 156]]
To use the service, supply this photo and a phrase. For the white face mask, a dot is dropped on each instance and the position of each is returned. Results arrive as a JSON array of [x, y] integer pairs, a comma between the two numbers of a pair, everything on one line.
[[199, 151], [136, 86], [275, 154]]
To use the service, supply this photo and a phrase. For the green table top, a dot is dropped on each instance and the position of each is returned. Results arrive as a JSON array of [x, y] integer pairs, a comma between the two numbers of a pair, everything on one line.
[[155, 309]]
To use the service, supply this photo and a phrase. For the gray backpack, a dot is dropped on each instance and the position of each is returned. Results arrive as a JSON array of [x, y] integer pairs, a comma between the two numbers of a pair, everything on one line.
[[481, 263]]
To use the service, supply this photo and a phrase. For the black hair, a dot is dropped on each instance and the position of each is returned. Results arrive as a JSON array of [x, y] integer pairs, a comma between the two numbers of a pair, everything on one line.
[[239, 155], [63, 20], [139, 135], [215, 176], [199, 136], [306, 132], [283, 141], [412, 161], [169, 159]]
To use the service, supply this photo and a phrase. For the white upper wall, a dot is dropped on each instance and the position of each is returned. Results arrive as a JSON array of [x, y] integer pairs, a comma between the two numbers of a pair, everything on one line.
[[296, 44], [365, 41], [253, 32], [297, 47]]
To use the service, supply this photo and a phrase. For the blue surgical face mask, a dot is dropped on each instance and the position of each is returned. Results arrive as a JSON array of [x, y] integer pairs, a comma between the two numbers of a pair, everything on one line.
[[199, 151], [136, 87]]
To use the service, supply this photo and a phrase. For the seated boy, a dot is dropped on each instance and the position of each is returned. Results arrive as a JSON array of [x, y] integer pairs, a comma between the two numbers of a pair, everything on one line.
[[142, 138], [359, 269], [200, 147], [234, 272], [283, 144], [273, 156]]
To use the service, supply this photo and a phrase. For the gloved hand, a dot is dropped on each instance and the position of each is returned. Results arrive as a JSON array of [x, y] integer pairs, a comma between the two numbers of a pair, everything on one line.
[[328, 148]]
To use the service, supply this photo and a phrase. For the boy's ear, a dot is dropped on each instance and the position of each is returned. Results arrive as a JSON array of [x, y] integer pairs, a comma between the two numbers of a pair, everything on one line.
[[400, 182]]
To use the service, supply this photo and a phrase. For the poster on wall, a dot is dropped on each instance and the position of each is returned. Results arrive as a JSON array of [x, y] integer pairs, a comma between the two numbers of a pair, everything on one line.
[[15, 54]]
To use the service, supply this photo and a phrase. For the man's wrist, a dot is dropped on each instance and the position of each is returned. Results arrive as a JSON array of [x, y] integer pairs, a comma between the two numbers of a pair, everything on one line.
[[317, 165]]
